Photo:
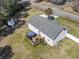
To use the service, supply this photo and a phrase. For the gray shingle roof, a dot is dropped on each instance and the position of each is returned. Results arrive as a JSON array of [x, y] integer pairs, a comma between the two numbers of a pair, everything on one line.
[[48, 27]]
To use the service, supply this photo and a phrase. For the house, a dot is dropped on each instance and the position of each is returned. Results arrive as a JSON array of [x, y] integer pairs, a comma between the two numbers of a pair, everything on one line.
[[49, 29]]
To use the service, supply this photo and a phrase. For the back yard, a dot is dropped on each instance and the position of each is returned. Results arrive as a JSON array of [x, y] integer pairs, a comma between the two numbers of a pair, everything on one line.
[[24, 50]]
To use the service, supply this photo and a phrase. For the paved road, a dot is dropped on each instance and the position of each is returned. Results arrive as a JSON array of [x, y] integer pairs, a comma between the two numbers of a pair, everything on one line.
[[56, 11]]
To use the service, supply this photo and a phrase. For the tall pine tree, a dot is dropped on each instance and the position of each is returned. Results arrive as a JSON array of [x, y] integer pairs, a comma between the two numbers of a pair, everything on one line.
[[7, 8]]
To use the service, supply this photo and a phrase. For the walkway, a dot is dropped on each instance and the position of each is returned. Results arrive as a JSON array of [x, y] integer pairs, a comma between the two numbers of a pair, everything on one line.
[[72, 38]]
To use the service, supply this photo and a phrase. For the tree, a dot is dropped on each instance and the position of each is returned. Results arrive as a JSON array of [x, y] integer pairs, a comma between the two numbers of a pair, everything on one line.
[[48, 11], [76, 5], [6, 52], [11, 7], [3, 13], [7, 8]]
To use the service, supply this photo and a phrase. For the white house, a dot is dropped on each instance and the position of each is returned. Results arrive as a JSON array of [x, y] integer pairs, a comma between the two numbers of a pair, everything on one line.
[[49, 29]]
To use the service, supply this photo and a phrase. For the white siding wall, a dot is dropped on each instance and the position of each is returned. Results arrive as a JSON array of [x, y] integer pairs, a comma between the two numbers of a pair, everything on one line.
[[60, 37], [33, 28], [47, 39]]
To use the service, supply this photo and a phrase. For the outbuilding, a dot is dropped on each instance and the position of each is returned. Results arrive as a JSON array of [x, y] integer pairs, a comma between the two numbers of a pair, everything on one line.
[[49, 29]]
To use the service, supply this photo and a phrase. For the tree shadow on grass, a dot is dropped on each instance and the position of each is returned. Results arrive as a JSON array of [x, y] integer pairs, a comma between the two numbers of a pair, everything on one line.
[[6, 52], [8, 30]]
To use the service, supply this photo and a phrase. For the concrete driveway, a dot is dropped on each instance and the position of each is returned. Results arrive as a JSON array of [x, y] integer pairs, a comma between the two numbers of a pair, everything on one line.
[[72, 37]]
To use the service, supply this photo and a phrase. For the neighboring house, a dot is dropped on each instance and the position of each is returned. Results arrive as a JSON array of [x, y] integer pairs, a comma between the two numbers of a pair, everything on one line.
[[49, 29]]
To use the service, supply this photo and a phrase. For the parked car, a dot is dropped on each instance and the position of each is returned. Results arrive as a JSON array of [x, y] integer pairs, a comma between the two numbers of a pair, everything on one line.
[[50, 17], [30, 34]]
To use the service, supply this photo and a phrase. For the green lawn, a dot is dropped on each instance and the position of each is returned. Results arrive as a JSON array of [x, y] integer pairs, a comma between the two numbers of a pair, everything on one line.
[[71, 25], [23, 49]]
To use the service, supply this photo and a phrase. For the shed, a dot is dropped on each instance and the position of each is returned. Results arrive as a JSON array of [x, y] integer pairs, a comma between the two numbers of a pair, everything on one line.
[[49, 29]]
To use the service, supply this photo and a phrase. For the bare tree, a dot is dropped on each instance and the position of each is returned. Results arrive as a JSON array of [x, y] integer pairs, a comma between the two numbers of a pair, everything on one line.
[[48, 11]]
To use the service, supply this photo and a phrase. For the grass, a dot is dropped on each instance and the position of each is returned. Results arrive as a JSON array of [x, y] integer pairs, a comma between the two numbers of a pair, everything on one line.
[[23, 49], [71, 25]]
